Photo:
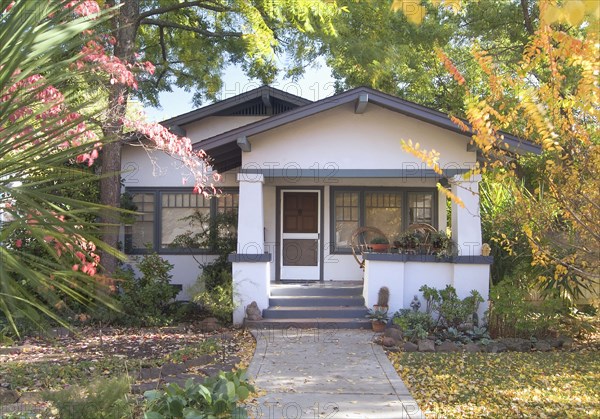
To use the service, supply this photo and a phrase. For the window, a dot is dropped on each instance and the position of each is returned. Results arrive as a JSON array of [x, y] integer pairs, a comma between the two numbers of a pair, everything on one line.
[[391, 210], [164, 216], [175, 210]]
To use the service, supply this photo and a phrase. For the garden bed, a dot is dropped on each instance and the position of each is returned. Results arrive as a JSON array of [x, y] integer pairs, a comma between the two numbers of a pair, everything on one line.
[[150, 357]]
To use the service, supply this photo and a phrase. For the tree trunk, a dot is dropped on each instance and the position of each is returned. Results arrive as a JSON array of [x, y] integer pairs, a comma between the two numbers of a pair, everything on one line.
[[125, 28]]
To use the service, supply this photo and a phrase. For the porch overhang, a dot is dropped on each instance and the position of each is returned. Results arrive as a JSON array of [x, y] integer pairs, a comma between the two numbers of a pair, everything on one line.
[[411, 171]]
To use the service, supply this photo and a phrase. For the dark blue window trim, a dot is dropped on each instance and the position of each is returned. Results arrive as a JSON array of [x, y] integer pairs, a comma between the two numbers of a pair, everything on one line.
[[361, 208], [157, 228]]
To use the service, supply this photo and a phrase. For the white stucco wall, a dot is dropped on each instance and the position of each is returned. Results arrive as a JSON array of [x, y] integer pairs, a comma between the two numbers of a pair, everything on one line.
[[156, 169], [405, 278], [340, 139]]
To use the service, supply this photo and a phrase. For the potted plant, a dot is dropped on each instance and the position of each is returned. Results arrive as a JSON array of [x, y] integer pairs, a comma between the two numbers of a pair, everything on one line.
[[379, 319], [383, 298], [379, 244], [440, 242], [409, 242]]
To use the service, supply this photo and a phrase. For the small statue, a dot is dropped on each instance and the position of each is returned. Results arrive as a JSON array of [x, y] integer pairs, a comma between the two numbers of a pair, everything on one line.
[[253, 312], [415, 304], [486, 249]]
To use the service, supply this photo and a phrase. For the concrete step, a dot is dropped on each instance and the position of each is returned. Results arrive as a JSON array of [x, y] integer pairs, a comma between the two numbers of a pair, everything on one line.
[[278, 312], [316, 290], [316, 323], [317, 301]]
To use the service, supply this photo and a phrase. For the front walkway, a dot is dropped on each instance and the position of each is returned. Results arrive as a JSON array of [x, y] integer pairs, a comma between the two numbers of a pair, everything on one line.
[[326, 373]]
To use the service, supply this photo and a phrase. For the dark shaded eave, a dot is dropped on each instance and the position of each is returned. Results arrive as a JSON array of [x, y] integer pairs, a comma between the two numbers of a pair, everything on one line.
[[219, 142], [222, 106]]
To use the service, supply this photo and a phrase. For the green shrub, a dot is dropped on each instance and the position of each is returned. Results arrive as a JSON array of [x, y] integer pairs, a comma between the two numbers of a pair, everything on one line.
[[513, 314], [216, 397], [143, 301], [101, 399], [414, 324], [218, 301]]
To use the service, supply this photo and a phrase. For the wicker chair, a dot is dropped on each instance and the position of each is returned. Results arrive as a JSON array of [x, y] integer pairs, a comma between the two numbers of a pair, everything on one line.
[[360, 240], [425, 231]]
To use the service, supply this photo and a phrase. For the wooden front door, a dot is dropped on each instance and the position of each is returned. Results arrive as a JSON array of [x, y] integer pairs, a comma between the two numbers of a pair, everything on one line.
[[300, 235]]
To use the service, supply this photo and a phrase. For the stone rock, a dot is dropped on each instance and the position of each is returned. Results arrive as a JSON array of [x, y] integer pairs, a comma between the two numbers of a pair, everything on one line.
[[226, 337], [554, 342], [172, 369], [447, 346], [393, 333], [496, 347], [389, 341], [197, 362], [174, 329], [141, 388], [410, 347], [150, 373], [426, 345], [472, 347], [517, 344], [8, 396], [210, 324], [30, 397], [11, 350], [59, 332], [542, 346], [253, 312], [565, 342]]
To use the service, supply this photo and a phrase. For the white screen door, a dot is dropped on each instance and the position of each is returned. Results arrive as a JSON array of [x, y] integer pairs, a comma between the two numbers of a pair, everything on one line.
[[300, 235]]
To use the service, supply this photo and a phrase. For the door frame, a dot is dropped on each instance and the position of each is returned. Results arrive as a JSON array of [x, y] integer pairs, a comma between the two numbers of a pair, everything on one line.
[[278, 228]]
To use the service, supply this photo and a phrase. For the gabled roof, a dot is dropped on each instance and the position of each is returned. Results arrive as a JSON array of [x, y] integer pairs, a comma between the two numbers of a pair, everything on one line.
[[226, 153], [264, 100]]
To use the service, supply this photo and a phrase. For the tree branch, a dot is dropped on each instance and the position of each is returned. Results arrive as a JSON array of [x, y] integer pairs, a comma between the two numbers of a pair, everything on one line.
[[165, 24], [527, 17], [161, 39], [179, 6]]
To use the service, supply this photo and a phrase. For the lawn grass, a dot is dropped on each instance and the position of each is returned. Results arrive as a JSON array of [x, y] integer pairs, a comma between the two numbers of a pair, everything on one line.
[[536, 384]]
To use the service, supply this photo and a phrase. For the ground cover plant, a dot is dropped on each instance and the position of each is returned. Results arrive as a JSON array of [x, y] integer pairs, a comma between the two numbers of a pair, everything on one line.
[[37, 367], [536, 384]]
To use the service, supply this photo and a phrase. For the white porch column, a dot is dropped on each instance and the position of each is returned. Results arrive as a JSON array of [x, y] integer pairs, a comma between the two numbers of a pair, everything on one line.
[[251, 223], [251, 265], [466, 222]]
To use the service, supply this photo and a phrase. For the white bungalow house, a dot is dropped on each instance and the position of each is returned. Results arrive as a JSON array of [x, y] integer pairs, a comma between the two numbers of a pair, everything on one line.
[[303, 176]]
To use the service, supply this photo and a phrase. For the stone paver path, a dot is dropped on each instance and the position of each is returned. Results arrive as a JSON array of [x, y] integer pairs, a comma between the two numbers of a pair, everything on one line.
[[336, 374]]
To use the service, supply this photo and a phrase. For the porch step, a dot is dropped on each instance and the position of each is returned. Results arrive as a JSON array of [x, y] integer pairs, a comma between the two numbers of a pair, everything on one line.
[[318, 323], [329, 289], [317, 301], [337, 312]]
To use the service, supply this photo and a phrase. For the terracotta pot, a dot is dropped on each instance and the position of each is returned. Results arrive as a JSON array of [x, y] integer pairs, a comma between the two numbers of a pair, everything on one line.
[[378, 326], [380, 247]]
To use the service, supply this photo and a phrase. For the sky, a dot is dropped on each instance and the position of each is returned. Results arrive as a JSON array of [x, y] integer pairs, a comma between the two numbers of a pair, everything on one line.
[[316, 84]]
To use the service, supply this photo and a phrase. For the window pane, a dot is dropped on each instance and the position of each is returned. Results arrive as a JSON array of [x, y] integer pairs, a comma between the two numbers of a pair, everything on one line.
[[228, 202], [420, 207], [383, 210], [142, 230], [346, 217], [174, 213]]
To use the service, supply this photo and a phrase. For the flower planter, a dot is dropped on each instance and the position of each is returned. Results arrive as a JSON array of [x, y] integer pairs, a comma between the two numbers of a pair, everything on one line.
[[379, 247], [378, 326]]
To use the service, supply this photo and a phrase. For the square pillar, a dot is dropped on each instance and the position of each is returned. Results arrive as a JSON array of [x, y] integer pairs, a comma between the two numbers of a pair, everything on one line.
[[251, 265], [251, 231], [466, 222]]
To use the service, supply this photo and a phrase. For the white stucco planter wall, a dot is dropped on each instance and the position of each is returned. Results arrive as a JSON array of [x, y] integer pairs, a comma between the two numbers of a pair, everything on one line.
[[384, 274], [251, 283], [404, 275]]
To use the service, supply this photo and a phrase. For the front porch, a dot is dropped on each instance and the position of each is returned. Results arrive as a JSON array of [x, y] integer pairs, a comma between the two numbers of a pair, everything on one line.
[[270, 229]]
